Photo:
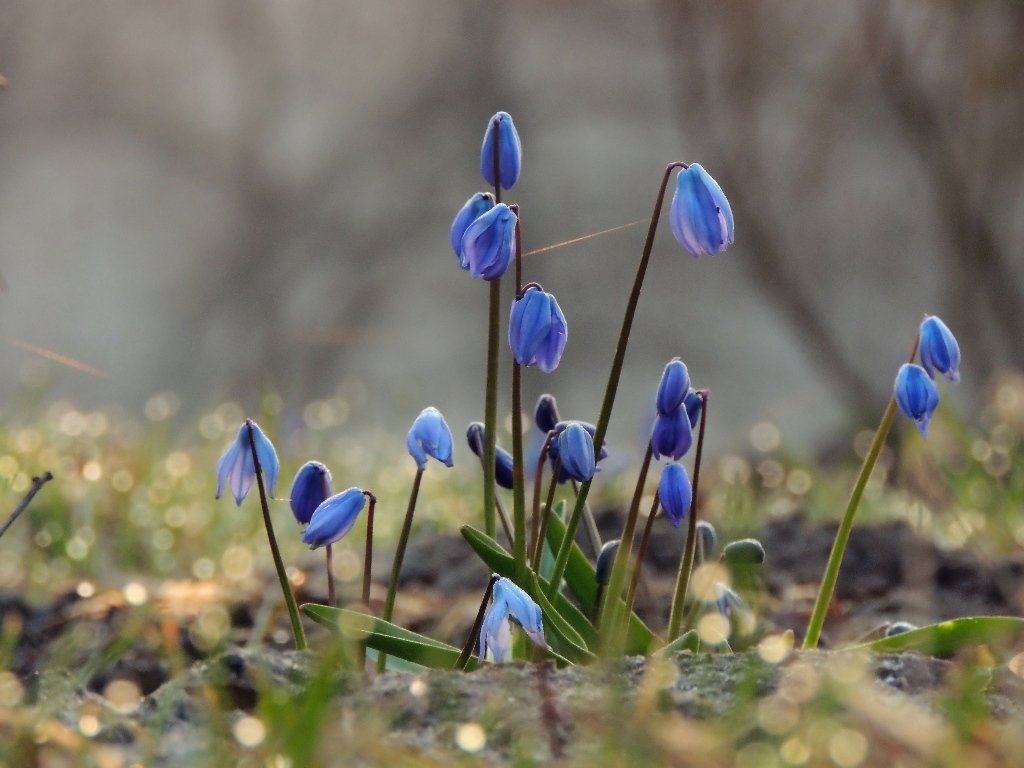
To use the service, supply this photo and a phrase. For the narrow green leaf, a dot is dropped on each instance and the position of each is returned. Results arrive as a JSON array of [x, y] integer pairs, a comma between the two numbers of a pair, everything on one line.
[[386, 637], [948, 637], [488, 550], [688, 641], [579, 575], [572, 644]]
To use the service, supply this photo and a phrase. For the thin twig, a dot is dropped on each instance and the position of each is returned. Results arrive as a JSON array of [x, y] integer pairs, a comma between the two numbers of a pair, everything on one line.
[[37, 483]]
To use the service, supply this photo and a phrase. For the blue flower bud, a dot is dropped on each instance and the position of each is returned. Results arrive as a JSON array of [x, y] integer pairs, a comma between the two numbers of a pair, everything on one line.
[[916, 395], [563, 475], [510, 151], [334, 518], [489, 243], [576, 452], [475, 438], [899, 628], [675, 381], [675, 493], [605, 560], [509, 603], [672, 435], [502, 467], [694, 404], [475, 207], [546, 413], [312, 484], [939, 350], [430, 436], [700, 215], [536, 330], [707, 540], [236, 468], [726, 600]]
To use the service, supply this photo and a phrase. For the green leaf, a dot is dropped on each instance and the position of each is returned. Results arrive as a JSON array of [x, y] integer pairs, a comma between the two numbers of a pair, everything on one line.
[[688, 641], [502, 563], [494, 557], [579, 575], [570, 643], [948, 637], [387, 637]]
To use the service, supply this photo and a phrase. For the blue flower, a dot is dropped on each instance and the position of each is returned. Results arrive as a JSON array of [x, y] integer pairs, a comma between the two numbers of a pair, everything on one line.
[[672, 435], [726, 600], [939, 350], [334, 518], [236, 468], [510, 151], [502, 467], [673, 387], [700, 215], [488, 244], [509, 603], [312, 484], [576, 452], [605, 560], [675, 493], [916, 395], [536, 330], [430, 436], [475, 207], [563, 475], [694, 404], [546, 413]]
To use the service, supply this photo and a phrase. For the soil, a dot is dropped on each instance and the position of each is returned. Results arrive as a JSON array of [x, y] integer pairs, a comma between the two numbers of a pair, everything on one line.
[[70, 650]]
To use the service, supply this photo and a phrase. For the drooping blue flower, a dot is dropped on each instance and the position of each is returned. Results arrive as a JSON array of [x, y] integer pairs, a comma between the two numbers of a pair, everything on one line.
[[509, 603], [675, 381], [430, 436], [700, 215], [939, 350], [334, 518], [916, 395], [537, 331], [475, 437], [694, 404], [236, 468], [312, 484], [672, 435], [563, 475], [510, 151], [545, 415], [489, 243], [576, 452], [726, 600], [675, 493], [475, 207]]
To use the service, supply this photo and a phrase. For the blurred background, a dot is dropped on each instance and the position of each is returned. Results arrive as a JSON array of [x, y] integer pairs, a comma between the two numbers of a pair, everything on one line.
[[249, 200]]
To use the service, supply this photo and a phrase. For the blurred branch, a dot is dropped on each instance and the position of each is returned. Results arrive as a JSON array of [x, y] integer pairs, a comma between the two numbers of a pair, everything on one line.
[[739, 168], [980, 266]]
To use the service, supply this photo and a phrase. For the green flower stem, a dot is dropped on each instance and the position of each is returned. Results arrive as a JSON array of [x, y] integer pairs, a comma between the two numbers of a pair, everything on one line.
[[282, 575], [491, 385], [518, 480], [538, 550], [590, 523], [396, 567], [835, 558], [502, 514], [331, 596], [367, 569], [607, 624], [474, 633], [491, 404], [518, 473], [538, 478], [686, 566], [638, 564], [562, 559]]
